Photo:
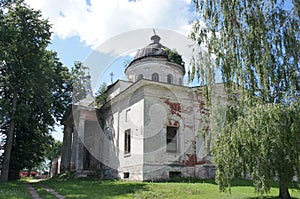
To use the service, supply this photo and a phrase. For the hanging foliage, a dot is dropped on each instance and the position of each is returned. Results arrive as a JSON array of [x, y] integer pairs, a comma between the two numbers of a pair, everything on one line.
[[255, 47]]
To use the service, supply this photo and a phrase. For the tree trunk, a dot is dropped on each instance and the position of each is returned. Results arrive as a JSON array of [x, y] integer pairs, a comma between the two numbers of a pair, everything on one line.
[[284, 190], [9, 141], [28, 172], [14, 174]]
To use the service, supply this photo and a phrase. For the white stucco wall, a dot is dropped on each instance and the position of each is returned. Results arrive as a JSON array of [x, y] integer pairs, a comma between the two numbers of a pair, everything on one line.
[[170, 105], [125, 111], [132, 162], [147, 108], [148, 66]]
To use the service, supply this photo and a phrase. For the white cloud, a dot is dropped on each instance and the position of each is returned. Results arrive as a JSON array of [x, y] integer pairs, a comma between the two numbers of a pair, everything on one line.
[[100, 20]]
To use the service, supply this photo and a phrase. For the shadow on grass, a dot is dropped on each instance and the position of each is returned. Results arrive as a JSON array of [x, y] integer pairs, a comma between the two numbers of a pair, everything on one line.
[[235, 182], [187, 180]]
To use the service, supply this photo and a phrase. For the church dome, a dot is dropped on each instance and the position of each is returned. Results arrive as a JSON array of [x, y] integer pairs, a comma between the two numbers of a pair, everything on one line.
[[153, 49], [156, 62]]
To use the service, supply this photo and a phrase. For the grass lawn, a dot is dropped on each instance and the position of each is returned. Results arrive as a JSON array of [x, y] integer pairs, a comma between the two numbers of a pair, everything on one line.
[[87, 188], [14, 190], [91, 188]]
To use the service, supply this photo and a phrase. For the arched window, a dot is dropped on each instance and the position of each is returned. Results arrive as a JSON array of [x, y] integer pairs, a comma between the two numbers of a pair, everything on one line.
[[155, 77], [170, 79], [140, 76], [180, 81]]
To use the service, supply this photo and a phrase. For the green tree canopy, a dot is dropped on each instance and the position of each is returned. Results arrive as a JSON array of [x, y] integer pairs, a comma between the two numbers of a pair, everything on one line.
[[255, 46], [54, 149], [263, 141], [174, 56], [34, 86], [78, 82], [101, 95]]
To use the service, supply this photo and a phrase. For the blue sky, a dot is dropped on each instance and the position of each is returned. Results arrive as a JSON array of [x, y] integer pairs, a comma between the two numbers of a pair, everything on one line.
[[88, 30], [80, 26], [70, 49]]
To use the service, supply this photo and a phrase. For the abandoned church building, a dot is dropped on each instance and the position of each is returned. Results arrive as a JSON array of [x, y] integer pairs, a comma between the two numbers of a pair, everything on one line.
[[147, 130]]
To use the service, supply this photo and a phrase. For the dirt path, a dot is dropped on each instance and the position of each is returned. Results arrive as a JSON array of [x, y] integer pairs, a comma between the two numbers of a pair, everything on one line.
[[48, 189], [33, 192], [35, 195]]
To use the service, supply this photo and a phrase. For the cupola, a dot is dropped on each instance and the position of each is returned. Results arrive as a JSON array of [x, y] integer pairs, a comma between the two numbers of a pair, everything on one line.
[[152, 62]]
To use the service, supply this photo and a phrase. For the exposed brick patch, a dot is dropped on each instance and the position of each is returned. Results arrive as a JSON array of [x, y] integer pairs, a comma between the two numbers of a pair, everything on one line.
[[188, 126], [172, 122], [174, 107], [192, 160]]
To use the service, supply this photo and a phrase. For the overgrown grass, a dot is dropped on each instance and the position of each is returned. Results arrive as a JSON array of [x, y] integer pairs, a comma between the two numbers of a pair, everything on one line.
[[14, 190], [185, 188]]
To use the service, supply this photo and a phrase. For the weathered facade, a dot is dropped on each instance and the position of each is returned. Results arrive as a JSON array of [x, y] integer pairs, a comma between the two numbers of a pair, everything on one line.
[[148, 129]]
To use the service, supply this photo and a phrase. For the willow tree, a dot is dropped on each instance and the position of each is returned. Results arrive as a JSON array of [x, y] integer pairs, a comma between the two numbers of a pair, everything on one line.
[[255, 46]]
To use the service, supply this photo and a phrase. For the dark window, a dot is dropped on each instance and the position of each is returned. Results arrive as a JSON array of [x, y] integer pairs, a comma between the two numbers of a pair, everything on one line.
[[155, 77], [126, 115], [170, 79], [171, 139], [140, 76], [127, 142], [174, 174], [126, 175]]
